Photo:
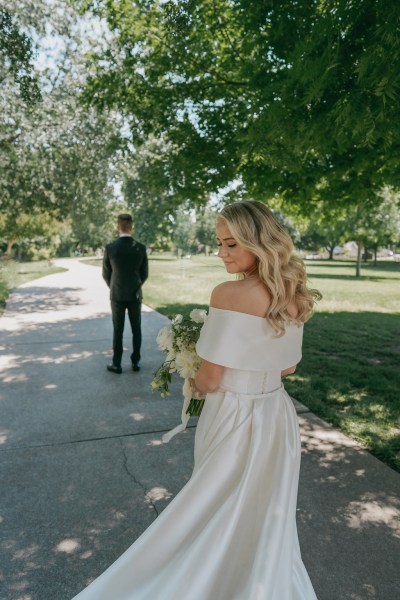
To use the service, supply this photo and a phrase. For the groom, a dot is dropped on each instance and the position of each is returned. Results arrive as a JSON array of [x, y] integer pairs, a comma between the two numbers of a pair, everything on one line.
[[125, 269]]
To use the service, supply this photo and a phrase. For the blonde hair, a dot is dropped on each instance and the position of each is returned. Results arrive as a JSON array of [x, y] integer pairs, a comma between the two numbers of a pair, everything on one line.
[[255, 227]]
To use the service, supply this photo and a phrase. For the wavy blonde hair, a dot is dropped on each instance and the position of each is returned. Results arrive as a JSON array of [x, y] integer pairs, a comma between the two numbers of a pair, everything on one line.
[[255, 227]]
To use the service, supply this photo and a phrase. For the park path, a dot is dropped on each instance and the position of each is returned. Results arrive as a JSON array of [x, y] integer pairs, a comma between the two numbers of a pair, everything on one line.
[[83, 470]]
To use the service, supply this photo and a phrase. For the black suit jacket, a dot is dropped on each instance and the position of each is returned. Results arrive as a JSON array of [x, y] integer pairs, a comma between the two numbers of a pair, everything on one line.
[[125, 269]]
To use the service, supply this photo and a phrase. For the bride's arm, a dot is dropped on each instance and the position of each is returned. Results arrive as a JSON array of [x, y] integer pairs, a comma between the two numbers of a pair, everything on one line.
[[207, 378], [288, 371]]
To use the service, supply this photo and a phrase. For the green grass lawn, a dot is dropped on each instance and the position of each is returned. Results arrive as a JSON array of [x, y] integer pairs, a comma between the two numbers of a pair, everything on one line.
[[13, 274], [179, 285], [350, 372]]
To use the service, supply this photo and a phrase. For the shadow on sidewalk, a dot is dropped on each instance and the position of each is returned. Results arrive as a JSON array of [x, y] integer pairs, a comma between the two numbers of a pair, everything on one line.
[[348, 517]]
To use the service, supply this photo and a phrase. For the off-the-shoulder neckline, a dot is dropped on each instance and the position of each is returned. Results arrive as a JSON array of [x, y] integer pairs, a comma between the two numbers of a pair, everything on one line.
[[236, 312]]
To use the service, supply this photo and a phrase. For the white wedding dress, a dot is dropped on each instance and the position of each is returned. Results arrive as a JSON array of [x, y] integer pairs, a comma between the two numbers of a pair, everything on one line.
[[230, 534]]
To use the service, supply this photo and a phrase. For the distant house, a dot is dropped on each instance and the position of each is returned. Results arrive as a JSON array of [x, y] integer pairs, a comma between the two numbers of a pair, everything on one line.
[[350, 249]]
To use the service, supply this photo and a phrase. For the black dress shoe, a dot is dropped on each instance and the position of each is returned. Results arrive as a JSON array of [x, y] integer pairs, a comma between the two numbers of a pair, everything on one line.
[[114, 369], [135, 367]]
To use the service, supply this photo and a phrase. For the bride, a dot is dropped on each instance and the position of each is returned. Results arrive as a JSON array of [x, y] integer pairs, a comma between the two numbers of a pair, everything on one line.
[[230, 534]]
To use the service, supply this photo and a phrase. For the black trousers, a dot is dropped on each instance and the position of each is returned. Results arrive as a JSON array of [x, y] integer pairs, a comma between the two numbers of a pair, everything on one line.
[[118, 310]]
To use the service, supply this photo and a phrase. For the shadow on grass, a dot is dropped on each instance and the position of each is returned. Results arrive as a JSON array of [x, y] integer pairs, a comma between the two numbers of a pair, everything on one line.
[[336, 264], [384, 265], [349, 376], [164, 257], [344, 277], [369, 272], [389, 266]]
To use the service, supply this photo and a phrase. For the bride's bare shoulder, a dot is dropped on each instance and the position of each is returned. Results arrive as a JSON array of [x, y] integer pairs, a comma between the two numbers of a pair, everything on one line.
[[221, 295], [243, 295]]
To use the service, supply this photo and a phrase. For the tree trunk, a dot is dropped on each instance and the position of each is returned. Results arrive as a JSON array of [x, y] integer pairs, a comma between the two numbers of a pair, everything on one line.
[[358, 265], [330, 250], [10, 244], [375, 256]]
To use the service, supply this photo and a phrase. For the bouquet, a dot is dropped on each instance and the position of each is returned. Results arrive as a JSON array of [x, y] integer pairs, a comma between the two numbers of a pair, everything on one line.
[[178, 341]]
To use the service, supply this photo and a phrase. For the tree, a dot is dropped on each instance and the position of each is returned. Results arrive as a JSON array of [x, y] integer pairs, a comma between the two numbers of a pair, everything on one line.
[[184, 231], [284, 96], [375, 224], [16, 54], [55, 156], [147, 194], [28, 227], [205, 227], [326, 228], [95, 227], [22, 25], [382, 224]]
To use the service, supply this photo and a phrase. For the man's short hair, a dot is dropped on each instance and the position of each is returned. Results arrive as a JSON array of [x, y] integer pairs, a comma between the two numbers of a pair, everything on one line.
[[125, 222]]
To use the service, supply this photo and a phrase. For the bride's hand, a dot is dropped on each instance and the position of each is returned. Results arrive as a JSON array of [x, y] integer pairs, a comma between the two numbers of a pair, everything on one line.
[[195, 392]]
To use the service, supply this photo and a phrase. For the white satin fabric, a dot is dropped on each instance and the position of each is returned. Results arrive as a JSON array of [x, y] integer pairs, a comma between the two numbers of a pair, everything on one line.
[[230, 534]]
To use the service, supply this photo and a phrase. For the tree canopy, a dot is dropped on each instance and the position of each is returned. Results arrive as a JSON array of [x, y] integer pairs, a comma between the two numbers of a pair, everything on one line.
[[16, 54], [290, 98], [293, 103], [57, 158]]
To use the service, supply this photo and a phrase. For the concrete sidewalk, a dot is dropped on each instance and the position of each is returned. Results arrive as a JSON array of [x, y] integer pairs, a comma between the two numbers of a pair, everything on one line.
[[83, 470]]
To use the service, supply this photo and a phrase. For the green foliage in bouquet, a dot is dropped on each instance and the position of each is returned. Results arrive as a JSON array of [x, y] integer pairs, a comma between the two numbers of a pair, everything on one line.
[[178, 341]]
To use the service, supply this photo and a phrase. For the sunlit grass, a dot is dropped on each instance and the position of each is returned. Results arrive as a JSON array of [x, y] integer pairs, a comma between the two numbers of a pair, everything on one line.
[[342, 291], [178, 285]]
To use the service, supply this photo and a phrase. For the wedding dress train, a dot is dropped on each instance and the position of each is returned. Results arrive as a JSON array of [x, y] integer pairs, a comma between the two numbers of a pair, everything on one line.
[[230, 534]]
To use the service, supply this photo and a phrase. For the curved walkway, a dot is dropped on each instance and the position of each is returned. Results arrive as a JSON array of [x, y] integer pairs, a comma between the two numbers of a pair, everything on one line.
[[83, 470]]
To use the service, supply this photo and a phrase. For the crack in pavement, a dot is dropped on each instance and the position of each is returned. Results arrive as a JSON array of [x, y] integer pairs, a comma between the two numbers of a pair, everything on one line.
[[300, 411], [147, 497], [93, 439]]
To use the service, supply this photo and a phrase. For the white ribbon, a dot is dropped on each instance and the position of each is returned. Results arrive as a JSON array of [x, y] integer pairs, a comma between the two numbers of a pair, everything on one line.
[[187, 396]]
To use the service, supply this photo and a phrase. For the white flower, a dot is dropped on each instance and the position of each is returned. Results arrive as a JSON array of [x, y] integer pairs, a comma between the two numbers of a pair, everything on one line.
[[186, 363], [171, 355], [165, 338], [198, 315], [178, 342]]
